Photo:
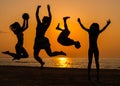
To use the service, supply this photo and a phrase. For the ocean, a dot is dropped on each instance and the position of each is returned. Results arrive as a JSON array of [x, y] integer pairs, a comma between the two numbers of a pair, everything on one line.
[[63, 62]]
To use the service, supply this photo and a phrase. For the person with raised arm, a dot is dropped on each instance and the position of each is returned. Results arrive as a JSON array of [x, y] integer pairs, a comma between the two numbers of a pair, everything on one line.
[[41, 41], [18, 31], [93, 32]]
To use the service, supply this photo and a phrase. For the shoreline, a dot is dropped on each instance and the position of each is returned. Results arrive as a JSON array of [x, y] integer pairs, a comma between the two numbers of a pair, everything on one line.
[[62, 62], [50, 76]]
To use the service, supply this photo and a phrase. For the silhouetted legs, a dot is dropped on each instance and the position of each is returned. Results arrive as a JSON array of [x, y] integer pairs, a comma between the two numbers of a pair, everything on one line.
[[96, 54], [14, 55], [49, 52], [65, 23], [20, 53], [65, 26], [36, 56], [90, 56], [55, 53]]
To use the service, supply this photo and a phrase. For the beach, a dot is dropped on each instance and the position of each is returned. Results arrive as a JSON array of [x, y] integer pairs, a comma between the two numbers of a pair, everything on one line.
[[50, 76]]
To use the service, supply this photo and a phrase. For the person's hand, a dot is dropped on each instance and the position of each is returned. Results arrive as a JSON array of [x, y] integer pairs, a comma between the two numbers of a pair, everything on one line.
[[48, 6], [79, 20], [108, 22], [39, 6]]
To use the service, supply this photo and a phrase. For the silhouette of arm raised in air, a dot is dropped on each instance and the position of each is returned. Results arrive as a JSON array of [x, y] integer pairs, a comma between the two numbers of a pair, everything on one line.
[[108, 22], [37, 14], [25, 25], [49, 12], [79, 21]]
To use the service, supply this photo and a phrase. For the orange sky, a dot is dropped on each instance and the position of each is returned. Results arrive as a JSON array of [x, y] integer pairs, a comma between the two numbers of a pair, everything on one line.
[[88, 10]]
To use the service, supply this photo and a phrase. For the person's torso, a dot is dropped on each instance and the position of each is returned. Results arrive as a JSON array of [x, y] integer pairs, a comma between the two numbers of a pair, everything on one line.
[[20, 38], [93, 39]]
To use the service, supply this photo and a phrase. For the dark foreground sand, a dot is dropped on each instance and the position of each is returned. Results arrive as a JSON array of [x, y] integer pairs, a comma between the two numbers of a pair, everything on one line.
[[34, 76]]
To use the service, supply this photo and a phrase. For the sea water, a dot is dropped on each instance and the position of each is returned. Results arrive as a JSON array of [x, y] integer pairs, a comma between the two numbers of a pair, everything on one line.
[[63, 62]]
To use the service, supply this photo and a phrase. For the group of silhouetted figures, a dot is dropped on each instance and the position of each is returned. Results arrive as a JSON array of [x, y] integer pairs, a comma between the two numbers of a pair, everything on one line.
[[42, 42]]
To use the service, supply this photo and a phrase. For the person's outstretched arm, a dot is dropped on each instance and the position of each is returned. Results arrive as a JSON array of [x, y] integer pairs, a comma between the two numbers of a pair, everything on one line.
[[49, 12], [108, 22], [25, 25], [79, 21], [37, 14]]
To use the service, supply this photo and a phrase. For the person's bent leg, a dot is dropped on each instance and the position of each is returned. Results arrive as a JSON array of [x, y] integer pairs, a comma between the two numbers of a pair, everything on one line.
[[10, 53], [24, 53], [55, 53], [65, 23]]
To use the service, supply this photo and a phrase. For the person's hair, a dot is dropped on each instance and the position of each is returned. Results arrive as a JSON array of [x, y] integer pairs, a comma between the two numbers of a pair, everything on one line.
[[15, 27], [94, 27], [77, 44]]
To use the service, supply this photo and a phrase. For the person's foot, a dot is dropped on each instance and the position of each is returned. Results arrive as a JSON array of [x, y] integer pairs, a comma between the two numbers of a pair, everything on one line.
[[6, 52], [66, 17], [62, 53], [42, 64], [15, 59]]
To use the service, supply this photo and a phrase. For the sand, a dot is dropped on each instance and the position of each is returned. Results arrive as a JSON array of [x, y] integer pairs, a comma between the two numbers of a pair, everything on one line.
[[34, 76]]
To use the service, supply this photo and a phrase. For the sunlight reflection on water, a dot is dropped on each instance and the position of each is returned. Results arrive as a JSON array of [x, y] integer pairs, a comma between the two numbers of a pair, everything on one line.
[[63, 62]]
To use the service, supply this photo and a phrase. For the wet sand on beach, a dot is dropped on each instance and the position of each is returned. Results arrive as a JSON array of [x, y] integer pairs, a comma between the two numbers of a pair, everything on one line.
[[48, 76]]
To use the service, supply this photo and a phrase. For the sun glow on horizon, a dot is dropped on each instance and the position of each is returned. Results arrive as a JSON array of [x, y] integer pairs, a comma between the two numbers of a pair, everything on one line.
[[64, 62]]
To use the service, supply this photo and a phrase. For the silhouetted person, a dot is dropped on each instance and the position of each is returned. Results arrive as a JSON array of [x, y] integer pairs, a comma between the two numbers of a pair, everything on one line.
[[42, 42], [93, 32], [63, 37], [18, 31]]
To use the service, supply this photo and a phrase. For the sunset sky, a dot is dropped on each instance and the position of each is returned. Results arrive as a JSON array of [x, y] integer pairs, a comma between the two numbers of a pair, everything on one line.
[[88, 10]]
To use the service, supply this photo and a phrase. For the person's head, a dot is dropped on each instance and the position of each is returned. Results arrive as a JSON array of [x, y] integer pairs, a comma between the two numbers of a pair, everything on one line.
[[94, 27], [45, 19], [15, 27], [77, 44]]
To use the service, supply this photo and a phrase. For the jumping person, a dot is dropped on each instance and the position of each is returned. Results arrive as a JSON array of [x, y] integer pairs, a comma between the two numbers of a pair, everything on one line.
[[93, 32], [42, 42], [63, 37], [18, 31]]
